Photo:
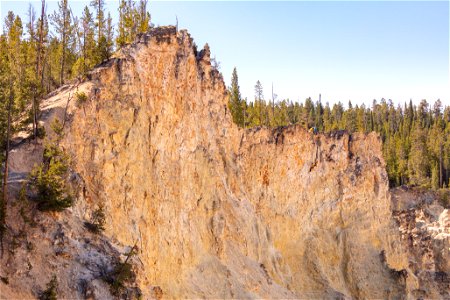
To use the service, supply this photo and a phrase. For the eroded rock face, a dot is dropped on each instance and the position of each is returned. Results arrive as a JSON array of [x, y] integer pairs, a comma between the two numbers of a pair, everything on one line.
[[222, 212], [217, 211], [425, 233]]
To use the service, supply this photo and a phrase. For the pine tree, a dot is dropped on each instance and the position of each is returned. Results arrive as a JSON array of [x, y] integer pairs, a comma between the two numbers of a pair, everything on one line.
[[109, 37], [10, 61], [101, 27], [15, 57], [435, 177], [5, 88], [133, 20], [89, 58], [309, 114], [235, 104], [121, 39], [40, 48], [63, 26], [258, 101], [143, 17], [318, 122], [418, 162]]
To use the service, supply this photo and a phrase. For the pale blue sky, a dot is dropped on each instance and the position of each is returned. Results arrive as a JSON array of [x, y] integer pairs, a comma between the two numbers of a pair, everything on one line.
[[357, 50]]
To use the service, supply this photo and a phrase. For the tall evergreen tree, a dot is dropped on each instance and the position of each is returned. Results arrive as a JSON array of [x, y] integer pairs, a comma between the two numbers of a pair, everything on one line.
[[143, 17], [109, 37], [63, 26], [258, 101], [235, 105], [89, 57], [101, 26], [41, 36]]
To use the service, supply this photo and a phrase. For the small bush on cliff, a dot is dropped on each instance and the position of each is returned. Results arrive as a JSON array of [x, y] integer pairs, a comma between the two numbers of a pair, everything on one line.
[[48, 180], [57, 128], [51, 292], [121, 274], [98, 220], [80, 98]]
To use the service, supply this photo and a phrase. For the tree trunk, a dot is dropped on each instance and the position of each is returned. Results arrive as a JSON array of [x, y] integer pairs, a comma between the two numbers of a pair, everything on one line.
[[41, 37], [61, 75], [84, 52], [260, 113], [8, 133], [441, 181], [99, 23], [273, 107], [34, 115], [244, 112], [63, 40]]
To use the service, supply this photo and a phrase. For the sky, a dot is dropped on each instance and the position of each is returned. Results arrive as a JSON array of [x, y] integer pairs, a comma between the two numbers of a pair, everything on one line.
[[343, 50]]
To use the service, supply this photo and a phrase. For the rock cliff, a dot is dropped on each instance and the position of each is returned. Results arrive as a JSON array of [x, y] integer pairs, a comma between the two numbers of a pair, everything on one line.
[[214, 211]]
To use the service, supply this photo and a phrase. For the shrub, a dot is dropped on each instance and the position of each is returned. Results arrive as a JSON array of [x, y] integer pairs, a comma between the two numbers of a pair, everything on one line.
[[57, 128], [120, 275], [41, 132], [51, 292], [48, 179], [98, 221], [80, 98]]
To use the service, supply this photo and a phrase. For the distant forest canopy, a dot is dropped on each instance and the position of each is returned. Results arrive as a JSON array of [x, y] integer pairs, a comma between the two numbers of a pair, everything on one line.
[[416, 138]]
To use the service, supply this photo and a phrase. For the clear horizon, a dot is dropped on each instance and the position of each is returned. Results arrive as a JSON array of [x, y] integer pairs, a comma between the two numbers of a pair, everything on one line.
[[357, 50]]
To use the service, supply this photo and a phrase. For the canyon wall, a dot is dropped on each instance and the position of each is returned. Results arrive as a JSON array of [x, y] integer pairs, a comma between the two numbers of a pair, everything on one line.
[[208, 203], [221, 212]]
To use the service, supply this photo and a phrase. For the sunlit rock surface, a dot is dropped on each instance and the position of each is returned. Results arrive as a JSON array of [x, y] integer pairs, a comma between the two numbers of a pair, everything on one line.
[[216, 211]]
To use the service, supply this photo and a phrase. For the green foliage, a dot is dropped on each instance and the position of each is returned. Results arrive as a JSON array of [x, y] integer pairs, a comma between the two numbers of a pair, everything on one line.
[[121, 274], [57, 128], [98, 220], [51, 292], [64, 27], [61, 46], [38, 55], [48, 180], [80, 98], [41, 132], [133, 20], [236, 104]]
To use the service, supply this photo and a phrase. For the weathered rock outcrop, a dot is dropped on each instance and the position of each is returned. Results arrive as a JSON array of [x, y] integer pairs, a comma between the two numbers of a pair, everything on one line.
[[217, 211], [425, 233]]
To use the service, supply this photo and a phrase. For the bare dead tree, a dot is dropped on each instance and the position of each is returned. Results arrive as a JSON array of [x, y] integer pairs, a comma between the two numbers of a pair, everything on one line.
[[67, 106]]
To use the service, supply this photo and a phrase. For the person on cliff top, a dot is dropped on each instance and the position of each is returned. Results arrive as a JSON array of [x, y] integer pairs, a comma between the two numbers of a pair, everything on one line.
[[313, 130]]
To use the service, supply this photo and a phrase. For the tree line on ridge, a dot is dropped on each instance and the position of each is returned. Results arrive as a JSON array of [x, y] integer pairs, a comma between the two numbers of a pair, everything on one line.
[[416, 138]]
